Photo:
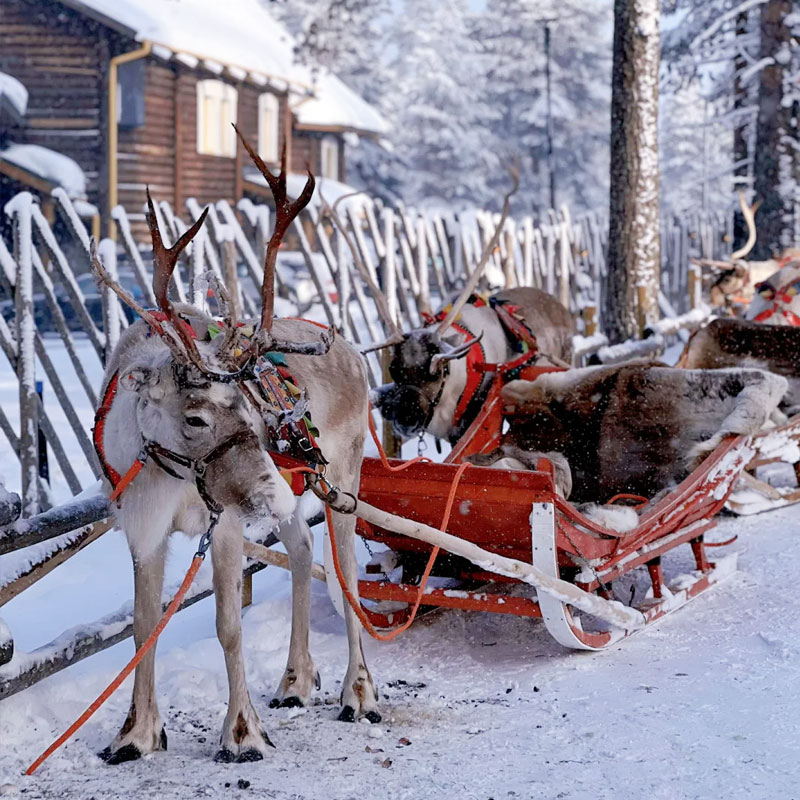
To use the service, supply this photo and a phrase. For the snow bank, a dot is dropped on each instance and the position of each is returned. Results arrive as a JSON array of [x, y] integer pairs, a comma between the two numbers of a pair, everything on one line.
[[16, 93], [48, 164]]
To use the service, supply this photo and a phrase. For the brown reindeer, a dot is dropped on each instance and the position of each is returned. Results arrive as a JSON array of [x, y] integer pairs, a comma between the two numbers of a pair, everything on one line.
[[634, 428], [190, 402]]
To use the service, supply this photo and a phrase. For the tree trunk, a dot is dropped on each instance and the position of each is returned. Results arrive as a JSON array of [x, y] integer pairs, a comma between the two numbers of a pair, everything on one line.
[[773, 157], [634, 246]]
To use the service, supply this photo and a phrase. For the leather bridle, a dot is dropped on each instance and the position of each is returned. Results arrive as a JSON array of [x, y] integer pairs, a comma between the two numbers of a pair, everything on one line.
[[198, 466]]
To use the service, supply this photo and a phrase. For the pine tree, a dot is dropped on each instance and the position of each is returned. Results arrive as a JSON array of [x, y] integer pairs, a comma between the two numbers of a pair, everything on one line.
[[511, 34], [344, 36], [435, 103]]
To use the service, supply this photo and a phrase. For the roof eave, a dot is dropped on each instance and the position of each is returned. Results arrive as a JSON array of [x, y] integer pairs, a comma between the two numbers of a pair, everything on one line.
[[320, 128], [98, 16]]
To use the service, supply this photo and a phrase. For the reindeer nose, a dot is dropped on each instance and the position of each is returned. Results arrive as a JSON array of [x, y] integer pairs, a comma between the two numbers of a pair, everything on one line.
[[378, 395]]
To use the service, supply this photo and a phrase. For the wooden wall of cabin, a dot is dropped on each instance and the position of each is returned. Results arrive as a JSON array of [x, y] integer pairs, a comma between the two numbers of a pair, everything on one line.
[[306, 148], [146, 152], [61, 59], [162, 152], [206, 177]]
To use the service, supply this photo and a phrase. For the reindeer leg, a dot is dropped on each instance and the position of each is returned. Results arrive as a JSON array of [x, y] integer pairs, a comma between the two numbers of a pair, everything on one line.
[[359, 697], [143, 731], [300, 676], [243, 738]]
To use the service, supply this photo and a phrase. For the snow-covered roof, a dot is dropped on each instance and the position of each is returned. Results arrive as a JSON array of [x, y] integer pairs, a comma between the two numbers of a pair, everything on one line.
[[242, 38], [334, 104], [14, 93], [54, 167]]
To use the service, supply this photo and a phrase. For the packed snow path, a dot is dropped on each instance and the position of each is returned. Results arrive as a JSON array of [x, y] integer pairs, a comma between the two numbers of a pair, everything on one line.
[[475, 705]]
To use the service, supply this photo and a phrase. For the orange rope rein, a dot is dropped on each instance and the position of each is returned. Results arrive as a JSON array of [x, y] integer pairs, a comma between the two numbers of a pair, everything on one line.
[[382, 452], [356, 606], [132, 664], [195, 566]]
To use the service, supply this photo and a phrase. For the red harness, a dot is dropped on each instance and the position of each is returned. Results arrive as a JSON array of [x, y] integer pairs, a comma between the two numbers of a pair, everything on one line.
[[291, 468], [781, 298], [476, 364], [475, 356]]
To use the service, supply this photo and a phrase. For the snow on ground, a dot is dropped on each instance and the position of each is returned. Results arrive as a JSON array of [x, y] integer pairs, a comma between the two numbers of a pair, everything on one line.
[[704, 704], [475, 705]]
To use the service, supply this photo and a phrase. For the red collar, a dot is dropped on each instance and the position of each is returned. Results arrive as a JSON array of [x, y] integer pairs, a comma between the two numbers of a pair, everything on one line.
[[99, 429]]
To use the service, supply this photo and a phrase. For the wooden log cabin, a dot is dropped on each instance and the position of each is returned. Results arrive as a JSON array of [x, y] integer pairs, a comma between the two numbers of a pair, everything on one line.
[[143, 92]]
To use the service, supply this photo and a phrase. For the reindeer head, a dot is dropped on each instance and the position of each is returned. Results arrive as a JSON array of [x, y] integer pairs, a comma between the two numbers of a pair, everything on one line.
[[419, 369], [181, 410], [420, 359]]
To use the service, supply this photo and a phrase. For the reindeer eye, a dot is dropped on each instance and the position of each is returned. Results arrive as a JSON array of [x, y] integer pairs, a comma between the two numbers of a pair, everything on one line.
[[196, 422]]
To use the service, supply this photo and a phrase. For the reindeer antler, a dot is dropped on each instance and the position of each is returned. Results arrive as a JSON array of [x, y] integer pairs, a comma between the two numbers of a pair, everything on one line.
[[164, 262], [472, 281], [285, 212], [749, 214], [103, 275]]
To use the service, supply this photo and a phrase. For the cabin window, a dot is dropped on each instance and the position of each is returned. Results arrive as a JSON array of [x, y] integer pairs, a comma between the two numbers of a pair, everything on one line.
[[130, 94], [268, 127], [216, 113], [329, 158]]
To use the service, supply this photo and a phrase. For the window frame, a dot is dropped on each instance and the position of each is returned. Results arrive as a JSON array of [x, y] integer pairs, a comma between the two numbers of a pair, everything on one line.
[[269, 108], [329, 148], [217, 108]]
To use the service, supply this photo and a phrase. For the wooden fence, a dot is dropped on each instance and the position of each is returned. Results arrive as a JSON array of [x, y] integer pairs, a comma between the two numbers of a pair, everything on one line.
[[418, 259]]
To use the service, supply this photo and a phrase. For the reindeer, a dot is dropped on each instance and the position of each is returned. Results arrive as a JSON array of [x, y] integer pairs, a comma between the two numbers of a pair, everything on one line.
[[629, 428], [188, 408], [737, 277], [434, 388]]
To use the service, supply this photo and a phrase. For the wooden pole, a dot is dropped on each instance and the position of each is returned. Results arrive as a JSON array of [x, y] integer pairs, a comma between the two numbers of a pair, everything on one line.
[[26, 361]]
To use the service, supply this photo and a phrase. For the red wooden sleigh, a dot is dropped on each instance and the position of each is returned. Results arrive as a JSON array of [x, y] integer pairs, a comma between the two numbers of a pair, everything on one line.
[[519, 514]]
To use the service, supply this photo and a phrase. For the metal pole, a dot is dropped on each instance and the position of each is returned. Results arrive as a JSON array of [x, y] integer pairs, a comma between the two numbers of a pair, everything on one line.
[[550, 159]]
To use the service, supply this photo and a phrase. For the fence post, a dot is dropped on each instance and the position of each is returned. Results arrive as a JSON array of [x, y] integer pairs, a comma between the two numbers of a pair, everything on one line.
[[589, 314], [231, 277], [391, 444], [695, 284], [20, 210], [107, 253], [44, 466], [422, 267]]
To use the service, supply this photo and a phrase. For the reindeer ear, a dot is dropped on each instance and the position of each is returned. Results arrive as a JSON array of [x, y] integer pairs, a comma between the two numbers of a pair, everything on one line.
[[142, 380]]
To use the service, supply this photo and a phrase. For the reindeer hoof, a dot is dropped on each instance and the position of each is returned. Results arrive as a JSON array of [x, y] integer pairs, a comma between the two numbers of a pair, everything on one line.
[[129, 752], [347, 714], [249, 755], [291, 702], [224, 756], [373, 716]]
